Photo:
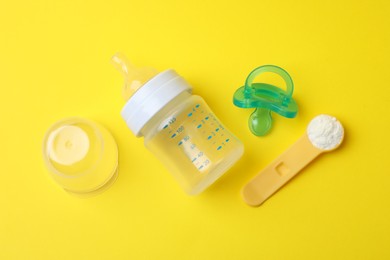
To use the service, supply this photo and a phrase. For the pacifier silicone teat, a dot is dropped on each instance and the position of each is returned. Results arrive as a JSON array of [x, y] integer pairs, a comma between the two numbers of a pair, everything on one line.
[[266, 98], [134, 77]]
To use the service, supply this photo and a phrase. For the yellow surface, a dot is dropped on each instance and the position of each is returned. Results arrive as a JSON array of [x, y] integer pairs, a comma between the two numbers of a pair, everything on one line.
[[55, 63]]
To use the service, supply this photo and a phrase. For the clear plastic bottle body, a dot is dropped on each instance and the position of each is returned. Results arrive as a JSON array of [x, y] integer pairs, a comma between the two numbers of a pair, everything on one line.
[[179, 128], [192, 143]]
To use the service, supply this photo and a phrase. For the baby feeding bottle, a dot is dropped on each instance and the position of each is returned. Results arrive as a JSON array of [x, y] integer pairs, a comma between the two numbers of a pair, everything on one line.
[[178, 128]]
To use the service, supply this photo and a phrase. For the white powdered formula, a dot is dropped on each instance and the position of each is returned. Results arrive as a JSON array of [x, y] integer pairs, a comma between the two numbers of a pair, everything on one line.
[[325, 132]]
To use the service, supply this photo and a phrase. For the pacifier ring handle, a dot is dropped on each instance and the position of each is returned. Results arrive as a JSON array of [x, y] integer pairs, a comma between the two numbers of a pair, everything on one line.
[[274, 69]]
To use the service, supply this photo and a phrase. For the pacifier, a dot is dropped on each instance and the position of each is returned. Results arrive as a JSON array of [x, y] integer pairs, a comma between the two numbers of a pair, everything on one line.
[[266, 98]]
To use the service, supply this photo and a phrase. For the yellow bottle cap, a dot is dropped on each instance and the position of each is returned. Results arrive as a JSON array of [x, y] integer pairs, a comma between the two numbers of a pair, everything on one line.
[[68, 145], [81, 155]]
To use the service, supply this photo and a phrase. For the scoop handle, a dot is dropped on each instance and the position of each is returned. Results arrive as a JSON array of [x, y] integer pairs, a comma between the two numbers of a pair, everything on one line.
[[279, 172]]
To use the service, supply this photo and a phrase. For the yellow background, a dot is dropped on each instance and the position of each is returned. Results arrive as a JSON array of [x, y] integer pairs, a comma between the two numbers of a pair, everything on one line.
[[54, 63]]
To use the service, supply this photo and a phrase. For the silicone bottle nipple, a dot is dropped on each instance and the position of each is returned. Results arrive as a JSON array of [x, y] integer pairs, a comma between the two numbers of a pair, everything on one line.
[[134, 77]]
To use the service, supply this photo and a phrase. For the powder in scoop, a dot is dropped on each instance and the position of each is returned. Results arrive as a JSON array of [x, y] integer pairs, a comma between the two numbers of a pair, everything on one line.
[[325, 132]]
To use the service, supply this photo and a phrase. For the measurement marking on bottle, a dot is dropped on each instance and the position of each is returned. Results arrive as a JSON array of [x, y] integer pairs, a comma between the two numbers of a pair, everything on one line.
[[200, 167], [193, 160], [208, 138], [180, 143], [216, 130], [199, 126], [207, 118], [219, 147], [190, 114], [165, 126], [227, 140], [197, 106], [173, 135]]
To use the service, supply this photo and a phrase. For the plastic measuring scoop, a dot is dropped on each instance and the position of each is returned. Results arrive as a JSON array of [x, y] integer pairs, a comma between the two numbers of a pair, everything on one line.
[[266, 98], [324, 134]]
